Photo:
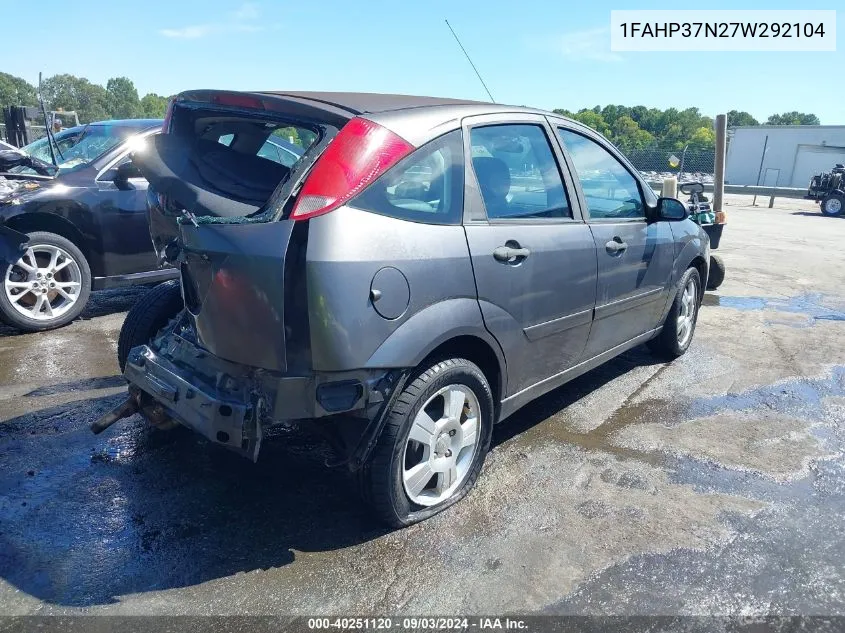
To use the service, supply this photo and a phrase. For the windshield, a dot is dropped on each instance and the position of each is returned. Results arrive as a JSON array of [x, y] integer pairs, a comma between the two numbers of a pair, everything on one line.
[[77, 146]]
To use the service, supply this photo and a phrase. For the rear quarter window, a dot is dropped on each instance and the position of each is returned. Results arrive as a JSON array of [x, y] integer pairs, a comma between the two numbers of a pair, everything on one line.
[[427, 186]]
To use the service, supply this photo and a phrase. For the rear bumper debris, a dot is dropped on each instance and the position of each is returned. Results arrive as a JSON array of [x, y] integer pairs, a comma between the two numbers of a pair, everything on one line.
[[220, 418], [173, 380]]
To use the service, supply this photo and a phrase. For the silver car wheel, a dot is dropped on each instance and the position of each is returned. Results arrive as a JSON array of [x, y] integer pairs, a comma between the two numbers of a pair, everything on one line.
[[441, 445], [686, 314], [44, 283]]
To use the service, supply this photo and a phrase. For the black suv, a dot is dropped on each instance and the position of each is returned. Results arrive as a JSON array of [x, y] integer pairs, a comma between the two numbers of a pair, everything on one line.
[[86, 221]]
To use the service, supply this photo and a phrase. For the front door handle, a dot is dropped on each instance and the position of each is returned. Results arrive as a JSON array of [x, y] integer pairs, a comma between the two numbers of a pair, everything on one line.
[[616, 246], [511, 253]]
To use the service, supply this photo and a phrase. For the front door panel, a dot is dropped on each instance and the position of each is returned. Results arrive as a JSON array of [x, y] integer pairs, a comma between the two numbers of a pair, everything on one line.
[[634, 267], [634, 256]]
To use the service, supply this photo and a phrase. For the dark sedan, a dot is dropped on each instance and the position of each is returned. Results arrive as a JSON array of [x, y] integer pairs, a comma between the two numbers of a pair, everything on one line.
[[86, 222]]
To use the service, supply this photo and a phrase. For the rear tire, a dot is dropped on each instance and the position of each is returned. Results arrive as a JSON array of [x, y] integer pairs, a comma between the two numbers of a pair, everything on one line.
[[717, 272], [57, 281], [151, 313], [833, 204], [433, 444], [679, 327]]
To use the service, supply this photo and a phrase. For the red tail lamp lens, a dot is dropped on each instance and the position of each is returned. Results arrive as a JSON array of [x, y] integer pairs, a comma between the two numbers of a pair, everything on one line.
[[361, 152]]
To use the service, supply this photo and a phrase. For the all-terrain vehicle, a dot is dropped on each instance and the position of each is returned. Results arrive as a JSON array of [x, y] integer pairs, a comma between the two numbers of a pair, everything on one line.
[[701, 212], [426, 267], [828, 189]]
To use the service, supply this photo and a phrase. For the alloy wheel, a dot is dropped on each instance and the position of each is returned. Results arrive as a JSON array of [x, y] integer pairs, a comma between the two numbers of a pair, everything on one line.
[[686, 314], [44, 283], [441, 445]]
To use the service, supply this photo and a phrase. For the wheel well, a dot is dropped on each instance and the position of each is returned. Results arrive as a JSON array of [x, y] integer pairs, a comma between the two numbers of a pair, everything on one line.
[[701, 266], [29, 222], [479, 352]]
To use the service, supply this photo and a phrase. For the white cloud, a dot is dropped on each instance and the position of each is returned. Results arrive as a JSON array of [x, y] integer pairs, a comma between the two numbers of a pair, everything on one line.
[[242, 21], [248, 11], [590, 44]]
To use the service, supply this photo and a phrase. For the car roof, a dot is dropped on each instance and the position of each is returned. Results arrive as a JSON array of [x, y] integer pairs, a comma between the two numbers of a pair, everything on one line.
[[373, 102], [141, 124]]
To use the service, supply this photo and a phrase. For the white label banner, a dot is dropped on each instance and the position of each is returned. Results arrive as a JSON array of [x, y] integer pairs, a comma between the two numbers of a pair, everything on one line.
[[718, 30]]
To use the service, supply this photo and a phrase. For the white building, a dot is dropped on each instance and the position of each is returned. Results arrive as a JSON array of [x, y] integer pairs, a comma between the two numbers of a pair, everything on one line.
[[794, 153]]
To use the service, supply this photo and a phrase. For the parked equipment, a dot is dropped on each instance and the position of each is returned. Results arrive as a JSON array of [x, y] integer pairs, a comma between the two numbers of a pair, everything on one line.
[[701, 212], [828, 189], [22, 128]]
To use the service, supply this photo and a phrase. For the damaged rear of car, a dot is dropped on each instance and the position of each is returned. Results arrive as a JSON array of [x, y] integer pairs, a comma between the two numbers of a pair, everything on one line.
[[291, 312], [399, 272]]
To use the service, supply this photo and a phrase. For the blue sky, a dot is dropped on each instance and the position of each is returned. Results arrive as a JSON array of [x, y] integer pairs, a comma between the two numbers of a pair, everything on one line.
[[543, 53]]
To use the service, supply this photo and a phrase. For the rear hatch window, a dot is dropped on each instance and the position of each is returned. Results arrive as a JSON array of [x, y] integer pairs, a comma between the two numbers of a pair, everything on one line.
[[223, 160]]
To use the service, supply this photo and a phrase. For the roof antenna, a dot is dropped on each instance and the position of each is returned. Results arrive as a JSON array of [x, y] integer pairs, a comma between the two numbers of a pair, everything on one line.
[[470, 62]]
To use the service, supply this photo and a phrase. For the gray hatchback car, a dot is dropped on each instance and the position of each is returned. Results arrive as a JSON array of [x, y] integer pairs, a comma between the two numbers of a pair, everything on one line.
[[427, 267]]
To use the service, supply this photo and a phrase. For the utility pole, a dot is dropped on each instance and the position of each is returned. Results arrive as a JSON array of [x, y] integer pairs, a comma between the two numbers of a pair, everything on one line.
[[719, 175]]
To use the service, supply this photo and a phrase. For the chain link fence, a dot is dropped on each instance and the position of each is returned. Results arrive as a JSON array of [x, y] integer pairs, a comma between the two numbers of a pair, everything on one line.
[[35, 132], [656, 163]]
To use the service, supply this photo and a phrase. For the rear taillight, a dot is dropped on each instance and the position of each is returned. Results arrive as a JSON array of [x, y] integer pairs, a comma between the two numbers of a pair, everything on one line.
[[168, 115], [237, 100], [361, 152]]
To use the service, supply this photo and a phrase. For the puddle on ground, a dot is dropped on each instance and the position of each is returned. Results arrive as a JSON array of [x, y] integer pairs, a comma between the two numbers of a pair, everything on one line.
[[780, 406], [809, 305]]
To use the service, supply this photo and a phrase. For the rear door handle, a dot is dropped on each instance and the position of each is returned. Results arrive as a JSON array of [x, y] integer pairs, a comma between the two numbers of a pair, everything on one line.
[[616, 246], [511, 254]]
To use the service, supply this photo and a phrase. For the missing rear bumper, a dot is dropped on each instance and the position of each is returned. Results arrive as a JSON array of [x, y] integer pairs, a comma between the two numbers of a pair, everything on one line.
[[220, 417]]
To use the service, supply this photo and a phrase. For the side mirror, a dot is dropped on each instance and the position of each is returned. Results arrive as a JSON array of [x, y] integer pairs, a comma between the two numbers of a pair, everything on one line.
[[690, 188], [122, 174], [671, 209], [126, 171]]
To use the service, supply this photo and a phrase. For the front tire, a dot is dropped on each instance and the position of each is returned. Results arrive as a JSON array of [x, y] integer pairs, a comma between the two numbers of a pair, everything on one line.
[[433, 444], [47, 287], [149, 314], [717, 272], [833, 204], [679, 327]]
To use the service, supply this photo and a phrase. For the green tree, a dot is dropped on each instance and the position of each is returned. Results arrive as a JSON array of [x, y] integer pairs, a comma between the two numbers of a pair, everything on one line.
[[16, 91], [593, 119], [123, 102], [628, 135], [735, 118], [153, 106], [793, 118], [67, 92], [612, 113], [564, 112], [703, 138]]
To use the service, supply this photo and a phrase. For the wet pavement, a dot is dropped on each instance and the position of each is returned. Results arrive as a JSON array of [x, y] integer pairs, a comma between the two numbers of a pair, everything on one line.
[[712, 485]]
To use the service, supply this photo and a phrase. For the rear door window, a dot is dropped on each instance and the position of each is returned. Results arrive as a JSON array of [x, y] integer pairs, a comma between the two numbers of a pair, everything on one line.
[[517, 173], [426, 186]]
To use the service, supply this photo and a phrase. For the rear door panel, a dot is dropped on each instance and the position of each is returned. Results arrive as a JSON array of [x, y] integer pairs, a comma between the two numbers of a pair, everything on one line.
[[540, 308]]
